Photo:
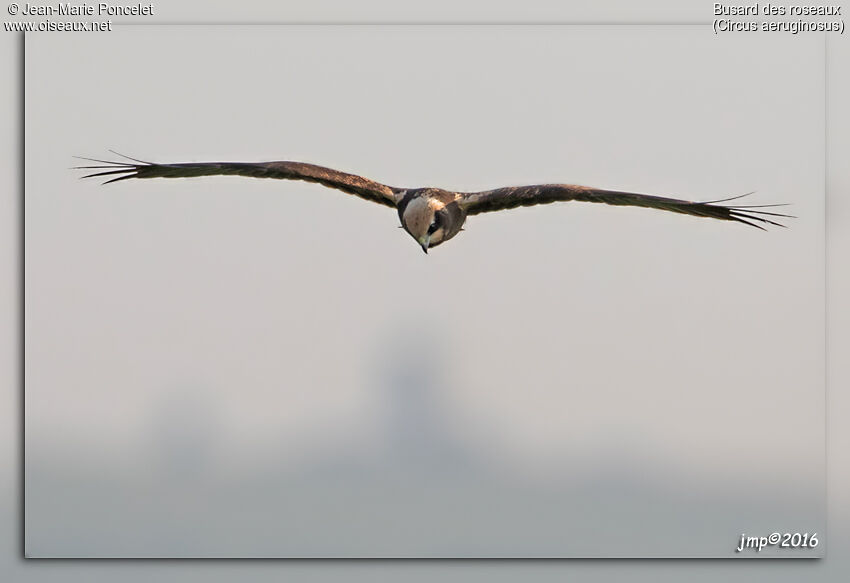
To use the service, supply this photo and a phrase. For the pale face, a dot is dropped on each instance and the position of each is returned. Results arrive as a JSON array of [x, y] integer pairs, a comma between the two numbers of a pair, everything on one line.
[[425, 220]]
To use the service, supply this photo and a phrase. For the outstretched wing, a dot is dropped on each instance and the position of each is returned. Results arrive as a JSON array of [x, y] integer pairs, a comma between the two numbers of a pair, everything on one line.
[[350, 183], [516, 196]]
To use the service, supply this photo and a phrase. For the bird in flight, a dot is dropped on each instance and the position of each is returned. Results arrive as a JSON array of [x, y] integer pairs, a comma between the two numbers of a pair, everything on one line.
[[432, 216]]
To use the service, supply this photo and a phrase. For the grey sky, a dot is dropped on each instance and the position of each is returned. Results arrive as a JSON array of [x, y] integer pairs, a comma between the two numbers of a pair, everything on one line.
[[569, 344]]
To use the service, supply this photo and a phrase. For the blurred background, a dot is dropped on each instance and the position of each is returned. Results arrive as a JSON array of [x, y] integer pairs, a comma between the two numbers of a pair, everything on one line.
[[228, 367]]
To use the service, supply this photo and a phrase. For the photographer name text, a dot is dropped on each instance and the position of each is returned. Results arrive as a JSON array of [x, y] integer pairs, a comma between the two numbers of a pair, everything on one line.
[[99, 9]]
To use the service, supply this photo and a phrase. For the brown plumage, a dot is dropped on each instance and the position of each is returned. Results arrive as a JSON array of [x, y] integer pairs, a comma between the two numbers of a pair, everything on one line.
[[432, 215]]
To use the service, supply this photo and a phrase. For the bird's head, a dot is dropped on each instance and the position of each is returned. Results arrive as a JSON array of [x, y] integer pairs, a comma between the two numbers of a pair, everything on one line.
[[427, 221]]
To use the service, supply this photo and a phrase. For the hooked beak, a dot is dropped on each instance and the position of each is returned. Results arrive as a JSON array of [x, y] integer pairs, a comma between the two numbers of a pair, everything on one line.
[[424, 241]]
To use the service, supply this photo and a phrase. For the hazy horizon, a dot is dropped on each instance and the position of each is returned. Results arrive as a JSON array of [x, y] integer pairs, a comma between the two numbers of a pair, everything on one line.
[[212, 361]]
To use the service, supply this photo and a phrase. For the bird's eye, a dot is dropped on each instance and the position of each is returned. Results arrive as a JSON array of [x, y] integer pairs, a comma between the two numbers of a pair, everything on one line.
[[435, 224]]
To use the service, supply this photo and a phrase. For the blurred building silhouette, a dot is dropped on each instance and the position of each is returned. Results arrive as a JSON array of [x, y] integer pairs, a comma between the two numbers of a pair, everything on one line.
[[418, 428]]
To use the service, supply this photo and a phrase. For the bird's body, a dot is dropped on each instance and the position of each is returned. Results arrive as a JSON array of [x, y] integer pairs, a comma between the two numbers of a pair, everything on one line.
[[432, 216]]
